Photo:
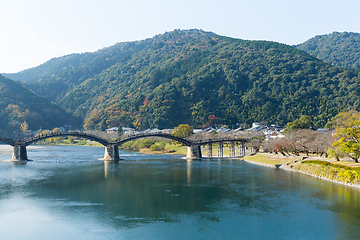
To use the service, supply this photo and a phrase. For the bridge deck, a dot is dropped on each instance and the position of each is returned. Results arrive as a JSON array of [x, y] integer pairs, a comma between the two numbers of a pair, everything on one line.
[[105, 142], [111, 147]]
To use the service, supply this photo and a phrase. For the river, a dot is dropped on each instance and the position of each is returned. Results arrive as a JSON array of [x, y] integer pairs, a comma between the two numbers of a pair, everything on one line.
[[67, 193]]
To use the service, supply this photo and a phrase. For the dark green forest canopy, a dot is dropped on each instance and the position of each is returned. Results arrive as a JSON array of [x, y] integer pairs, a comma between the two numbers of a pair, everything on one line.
[[202, 79], [18, 104], [338, 49]]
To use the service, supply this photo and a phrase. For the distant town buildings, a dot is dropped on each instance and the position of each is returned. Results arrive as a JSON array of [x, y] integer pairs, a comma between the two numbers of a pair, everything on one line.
[[268, 131]]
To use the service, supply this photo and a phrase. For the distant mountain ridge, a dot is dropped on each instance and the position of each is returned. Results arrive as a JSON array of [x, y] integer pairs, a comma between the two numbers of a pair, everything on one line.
[[338, 48], [67, 63], [35, 73], [199, 78], [54, 77]]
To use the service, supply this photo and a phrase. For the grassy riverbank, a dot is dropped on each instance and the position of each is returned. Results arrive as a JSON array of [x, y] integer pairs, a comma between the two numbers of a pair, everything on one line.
[[342, 172], [149, 146], [177, 148], [268, 159], [69, 140]]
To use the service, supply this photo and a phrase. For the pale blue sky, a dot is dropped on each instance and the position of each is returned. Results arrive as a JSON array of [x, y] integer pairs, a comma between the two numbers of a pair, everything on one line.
[[34, 31]]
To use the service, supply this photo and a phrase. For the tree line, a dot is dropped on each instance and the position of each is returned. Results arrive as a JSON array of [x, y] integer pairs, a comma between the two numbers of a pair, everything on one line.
[[341, 142], [339, 48], [200, 80], [195, 77]]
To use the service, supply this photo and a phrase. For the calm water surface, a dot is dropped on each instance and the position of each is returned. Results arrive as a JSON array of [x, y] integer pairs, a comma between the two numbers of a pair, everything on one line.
[[67, 193]]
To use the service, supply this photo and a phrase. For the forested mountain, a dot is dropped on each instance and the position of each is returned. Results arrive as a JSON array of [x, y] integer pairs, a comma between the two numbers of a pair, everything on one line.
[[18, 105], [338, 49], [200, 78], [48, 68], [55, 77], [68, 69]]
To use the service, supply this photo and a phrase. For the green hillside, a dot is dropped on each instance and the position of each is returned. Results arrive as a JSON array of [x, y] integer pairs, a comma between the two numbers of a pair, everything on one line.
[[200, 78], [48, 68], [72, 68], [338, 49], [203, 79], [57, 76], [18, 104]]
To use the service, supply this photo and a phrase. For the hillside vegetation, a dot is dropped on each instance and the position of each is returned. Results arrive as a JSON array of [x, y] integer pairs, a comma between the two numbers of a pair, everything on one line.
[[202, 79], [50, 67], [59, 75], [19, 105], [338, 49]]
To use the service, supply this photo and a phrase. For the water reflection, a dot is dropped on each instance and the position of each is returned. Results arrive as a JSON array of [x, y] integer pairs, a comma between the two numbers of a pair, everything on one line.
[[188, 171], [150, 197], [144, 191], [17, 164], [110, 167]]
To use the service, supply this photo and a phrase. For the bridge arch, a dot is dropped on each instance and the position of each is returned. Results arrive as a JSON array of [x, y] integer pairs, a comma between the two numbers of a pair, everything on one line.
[[168, 136], [111, 147], [219, 140], [40, 137], [8, 141]]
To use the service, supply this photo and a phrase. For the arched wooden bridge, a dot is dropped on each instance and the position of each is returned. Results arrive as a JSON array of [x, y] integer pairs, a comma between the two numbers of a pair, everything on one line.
[[112, 150], [163, 135]]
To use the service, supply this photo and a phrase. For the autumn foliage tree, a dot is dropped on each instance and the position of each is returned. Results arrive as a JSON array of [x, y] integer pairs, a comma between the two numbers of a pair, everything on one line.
[[183, 131], [213, 120], [24, 126], [348, 134]]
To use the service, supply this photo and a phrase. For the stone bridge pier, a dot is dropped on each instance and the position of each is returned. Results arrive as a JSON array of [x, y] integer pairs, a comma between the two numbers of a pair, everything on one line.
[[19, 153], [194, 152], [111, 153]]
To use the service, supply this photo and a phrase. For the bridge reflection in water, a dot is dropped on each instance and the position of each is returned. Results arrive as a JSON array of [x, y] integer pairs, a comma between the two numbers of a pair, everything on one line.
[[112, 147]]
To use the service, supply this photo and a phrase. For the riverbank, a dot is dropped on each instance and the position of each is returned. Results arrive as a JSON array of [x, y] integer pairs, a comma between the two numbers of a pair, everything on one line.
[[343, 172], [346, 173]]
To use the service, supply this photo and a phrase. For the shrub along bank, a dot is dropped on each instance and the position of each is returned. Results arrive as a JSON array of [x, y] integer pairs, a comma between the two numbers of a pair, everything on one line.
[[343, 172], [147, 145], [331, 171]]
